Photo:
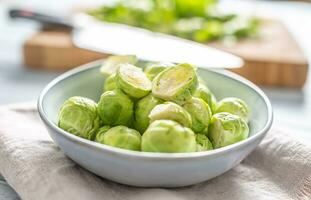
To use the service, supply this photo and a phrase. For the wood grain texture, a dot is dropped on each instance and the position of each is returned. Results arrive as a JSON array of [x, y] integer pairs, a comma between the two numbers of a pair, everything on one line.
[[54, 50], [272, 59]]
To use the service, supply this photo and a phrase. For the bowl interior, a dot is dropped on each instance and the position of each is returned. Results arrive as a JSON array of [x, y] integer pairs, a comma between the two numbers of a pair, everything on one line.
[[88, 82]]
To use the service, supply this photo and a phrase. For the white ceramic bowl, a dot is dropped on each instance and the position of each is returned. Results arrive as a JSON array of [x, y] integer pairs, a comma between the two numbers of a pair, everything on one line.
[[152, 169]]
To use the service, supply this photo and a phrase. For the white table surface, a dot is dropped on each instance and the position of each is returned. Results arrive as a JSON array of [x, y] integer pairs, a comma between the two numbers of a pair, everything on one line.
[[292, 108]]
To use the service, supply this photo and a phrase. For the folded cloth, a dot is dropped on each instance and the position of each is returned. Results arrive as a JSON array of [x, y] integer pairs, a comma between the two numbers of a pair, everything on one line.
[[280, 168]]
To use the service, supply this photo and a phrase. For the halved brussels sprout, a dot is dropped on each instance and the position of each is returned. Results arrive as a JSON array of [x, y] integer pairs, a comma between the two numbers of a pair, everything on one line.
[[115, 108], [226, 129], [168, 136], [110, 83], [175, 83], [133, 81], [78, 115], [152, 71], [203, 143], [122, 137], [171, 111], [142, 110], [111, 64], [204, 93], [234, 106], [100, 134], [200, 114]]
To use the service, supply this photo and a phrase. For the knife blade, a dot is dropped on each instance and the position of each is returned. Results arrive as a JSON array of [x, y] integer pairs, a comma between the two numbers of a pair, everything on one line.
[[92, 34]]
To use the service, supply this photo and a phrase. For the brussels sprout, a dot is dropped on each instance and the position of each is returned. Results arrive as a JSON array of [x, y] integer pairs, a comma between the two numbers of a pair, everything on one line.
[[203, 143], [226, 129], [171, 111], [142, 110], [200, 114], [111, 64], [175, 83], [100, 134], [133, 81], [234, 106], [122, 137], [204, 93], [168, 136], [78, 115], [115, 108], [110, 83], [153, 70]]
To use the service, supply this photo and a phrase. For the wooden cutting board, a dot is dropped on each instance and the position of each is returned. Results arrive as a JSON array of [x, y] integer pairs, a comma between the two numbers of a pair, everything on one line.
[[273, 59]]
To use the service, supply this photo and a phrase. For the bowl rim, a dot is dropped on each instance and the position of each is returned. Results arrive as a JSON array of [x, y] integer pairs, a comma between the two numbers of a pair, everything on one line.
[[136, 154]]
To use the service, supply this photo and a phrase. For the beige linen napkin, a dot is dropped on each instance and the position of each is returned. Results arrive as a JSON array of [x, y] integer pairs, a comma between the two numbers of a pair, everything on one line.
[[280, 168]]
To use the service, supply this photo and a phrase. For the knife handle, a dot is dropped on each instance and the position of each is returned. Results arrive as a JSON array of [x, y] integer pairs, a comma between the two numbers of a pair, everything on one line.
[[39, 17]]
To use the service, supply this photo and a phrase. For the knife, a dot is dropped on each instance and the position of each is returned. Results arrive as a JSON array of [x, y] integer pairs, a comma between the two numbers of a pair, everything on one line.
[[92, 34]]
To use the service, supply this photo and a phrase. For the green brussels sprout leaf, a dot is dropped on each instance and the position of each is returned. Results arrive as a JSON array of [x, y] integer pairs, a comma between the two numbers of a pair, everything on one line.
[[203, 143], [122, 137], [171, 111], [142, 110], [234, 106], [200, 114], [78, 115], [100, 134], [226, 129], [168, 136], [175, 83], [153, 70], [133, 81], [204, 93], [115, 108], [110, 83]]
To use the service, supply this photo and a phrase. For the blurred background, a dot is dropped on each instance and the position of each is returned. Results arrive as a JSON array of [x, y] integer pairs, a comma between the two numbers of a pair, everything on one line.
[[273, 37]]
